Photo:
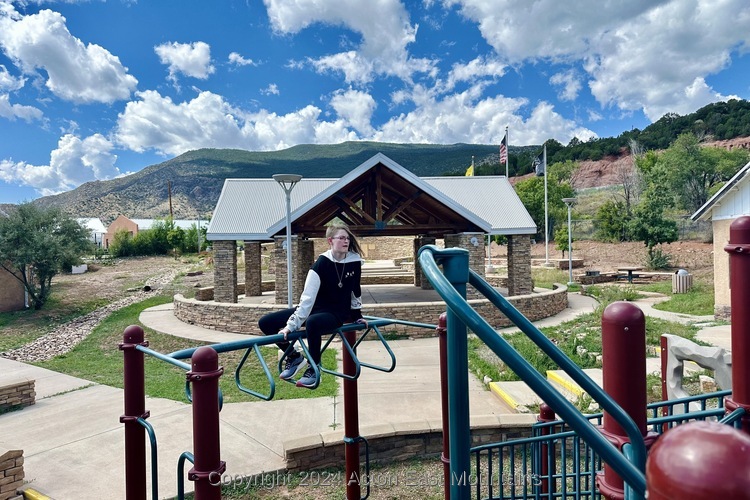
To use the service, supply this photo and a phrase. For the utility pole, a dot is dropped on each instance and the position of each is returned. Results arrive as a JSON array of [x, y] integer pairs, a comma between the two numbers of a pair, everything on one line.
[[169, 191]]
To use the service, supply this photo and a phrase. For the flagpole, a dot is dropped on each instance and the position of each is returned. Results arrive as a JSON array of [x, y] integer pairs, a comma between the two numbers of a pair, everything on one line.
[[546, 215], [507, 151]]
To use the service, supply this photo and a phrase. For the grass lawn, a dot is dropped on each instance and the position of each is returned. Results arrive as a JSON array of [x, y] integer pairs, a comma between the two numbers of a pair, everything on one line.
[[98, 359]]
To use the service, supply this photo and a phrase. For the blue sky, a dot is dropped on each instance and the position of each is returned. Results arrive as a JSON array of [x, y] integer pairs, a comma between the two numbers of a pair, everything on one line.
[[96, 89]]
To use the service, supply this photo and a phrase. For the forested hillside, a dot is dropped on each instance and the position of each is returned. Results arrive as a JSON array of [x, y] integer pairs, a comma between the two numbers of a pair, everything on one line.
[[194, 179]]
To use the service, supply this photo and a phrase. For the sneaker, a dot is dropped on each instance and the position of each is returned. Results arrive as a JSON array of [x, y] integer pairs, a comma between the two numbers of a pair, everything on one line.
[[308, 379], [293, 367]]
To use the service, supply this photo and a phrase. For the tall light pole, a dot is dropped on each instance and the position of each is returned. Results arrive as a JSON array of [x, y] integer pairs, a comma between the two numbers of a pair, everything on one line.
[[569, 202], [287, 183]]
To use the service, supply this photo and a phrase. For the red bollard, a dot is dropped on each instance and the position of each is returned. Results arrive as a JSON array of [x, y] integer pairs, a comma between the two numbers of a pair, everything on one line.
[[624, 370], [699, 460], [351, 423], [207, 467], [547, 451], [442, 331], [739, 282], [134, 385]]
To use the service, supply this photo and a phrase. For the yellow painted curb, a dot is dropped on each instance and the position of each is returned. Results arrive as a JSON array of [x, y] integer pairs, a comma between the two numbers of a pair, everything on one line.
[[29, 494], [566, 384], [503, 395]]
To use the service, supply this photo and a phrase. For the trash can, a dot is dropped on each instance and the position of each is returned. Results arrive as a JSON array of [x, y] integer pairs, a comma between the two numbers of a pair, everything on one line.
[[682, 281]]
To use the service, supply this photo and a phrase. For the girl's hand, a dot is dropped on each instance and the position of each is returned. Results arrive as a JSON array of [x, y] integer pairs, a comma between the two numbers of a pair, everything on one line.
[[362, 321], [285, 331]]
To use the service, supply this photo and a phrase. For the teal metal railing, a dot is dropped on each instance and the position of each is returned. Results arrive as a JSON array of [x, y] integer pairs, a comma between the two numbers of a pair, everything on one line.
[[556, 463], [252, 345], [451, 285]]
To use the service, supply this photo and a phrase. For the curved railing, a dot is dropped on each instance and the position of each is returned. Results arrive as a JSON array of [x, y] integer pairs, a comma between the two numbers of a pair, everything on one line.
[[451, 285]]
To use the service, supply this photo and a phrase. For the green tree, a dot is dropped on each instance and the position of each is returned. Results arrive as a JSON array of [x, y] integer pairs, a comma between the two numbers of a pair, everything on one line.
[[531, 193], [561, 240], [612, 221], [692, 171], [36, 244], [649, 224]]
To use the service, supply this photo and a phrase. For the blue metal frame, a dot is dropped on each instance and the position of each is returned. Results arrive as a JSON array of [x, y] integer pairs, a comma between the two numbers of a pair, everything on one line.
[[577, 463], [451, 285]]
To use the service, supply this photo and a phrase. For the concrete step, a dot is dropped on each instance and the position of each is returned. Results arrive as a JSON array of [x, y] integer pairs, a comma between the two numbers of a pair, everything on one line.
[[516, 394], [570, 389]]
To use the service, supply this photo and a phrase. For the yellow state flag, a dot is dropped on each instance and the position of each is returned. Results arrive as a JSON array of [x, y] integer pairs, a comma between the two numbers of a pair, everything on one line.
[[470, 171]]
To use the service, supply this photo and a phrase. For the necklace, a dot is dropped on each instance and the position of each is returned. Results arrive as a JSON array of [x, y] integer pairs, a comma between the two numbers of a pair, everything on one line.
[[340, 276]]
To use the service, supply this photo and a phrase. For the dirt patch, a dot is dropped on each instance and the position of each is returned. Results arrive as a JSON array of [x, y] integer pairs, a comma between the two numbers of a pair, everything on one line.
[[695, 256]]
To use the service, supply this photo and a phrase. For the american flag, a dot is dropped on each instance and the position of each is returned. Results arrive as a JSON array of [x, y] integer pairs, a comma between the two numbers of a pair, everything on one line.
[[504, 149]]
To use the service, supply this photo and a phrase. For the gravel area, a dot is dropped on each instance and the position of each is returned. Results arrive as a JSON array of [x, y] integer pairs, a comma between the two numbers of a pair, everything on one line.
[[63, 338]]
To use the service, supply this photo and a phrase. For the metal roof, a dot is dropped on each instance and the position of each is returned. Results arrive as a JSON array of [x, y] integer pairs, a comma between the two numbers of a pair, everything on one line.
[[492, 198], [704, 212], [93, 224], [255, 209]]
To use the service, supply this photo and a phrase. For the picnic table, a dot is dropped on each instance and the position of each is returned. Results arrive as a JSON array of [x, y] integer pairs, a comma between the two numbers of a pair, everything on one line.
[[629, 270]]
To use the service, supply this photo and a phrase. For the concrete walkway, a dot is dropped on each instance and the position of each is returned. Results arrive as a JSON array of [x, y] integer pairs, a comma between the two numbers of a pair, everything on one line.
[[73, 440]]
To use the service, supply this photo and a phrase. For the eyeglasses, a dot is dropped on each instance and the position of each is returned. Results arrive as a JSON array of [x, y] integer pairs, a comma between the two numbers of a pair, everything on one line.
[[342, 238]]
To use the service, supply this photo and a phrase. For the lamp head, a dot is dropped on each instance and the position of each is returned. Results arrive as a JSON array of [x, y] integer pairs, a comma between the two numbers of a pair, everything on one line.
[[287, 181], [569, 201]]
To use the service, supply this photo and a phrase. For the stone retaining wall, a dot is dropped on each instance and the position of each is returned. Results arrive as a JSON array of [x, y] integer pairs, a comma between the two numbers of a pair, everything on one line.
[[11, 473], [17, 395], [243, 318], [400, 441]]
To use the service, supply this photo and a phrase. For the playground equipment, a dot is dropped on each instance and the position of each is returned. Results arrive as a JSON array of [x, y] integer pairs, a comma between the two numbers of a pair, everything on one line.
[[202, 390], [589, 456], [578, 457]]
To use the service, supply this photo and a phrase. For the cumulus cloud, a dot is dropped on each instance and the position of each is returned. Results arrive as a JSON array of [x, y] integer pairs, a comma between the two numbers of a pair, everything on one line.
[[650, 55], [156, 122], [272, 89], [13, 111], [236, 59], [190, 59], [75, 71], [383, 25], [9, 82], [355, 108], [568, 83], [478, 68], [471, 117], [74, 162]]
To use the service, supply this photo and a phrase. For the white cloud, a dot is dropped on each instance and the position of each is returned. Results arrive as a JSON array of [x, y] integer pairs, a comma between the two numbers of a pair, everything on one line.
[[472, 118], [355, 108], [650, 55], [272, 89], [156, 122], [190, 59], [9, 82], [383, 25], [478, 68], [237, 59], [75, 71], [13, 111], [74, 162], [568, 83]]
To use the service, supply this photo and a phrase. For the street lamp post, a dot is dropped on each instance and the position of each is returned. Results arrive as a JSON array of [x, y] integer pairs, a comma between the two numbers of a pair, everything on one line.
[[569, 202], [287, 183]]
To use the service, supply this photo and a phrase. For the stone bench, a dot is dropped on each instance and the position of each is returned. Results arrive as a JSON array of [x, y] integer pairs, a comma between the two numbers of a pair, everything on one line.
[[17, 395], [11, 472]]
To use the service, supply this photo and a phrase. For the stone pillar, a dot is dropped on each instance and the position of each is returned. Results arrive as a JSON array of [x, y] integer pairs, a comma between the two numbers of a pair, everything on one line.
[[519, 265], [474, 243], [419, 278], [253, 278], [302, 261], [225, 271]]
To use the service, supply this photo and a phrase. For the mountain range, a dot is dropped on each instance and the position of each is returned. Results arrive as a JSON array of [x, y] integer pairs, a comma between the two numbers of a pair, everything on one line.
[[188, 186]]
